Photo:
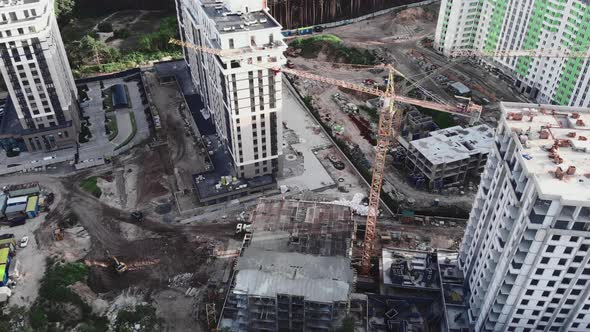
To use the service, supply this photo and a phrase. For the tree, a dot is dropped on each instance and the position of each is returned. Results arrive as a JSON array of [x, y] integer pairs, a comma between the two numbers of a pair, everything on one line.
[[64, 9]]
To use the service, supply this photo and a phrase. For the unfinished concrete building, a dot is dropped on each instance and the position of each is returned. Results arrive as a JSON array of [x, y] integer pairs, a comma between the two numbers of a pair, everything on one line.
[[448, 156], [416, 124], [294, 272]]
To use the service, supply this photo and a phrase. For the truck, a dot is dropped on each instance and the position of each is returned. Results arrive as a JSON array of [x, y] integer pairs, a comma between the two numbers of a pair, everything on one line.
[[242, 228]]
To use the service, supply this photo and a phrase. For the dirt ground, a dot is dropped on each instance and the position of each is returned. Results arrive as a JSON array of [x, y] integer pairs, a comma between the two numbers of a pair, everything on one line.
[[398, 38]]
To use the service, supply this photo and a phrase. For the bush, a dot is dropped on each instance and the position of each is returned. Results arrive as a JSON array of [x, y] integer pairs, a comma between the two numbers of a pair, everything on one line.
[[310, 47], [89, 185], [105, 27], [122, 33]]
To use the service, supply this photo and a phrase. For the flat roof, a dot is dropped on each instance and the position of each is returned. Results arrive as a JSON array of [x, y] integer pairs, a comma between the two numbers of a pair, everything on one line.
[[3, 199], [32, 203], [16, 208], [4, 255], [416, 265], [304, 227], [228, 21], [34, 189], [317, 278], [455, 143], [538, 128], [17, 200], [460, 87]]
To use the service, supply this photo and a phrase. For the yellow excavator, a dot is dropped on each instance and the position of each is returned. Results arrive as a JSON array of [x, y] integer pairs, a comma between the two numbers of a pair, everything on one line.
[[119, 266]]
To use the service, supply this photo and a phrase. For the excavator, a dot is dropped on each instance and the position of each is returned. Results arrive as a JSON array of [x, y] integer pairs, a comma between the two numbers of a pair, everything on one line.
[[119, 266]]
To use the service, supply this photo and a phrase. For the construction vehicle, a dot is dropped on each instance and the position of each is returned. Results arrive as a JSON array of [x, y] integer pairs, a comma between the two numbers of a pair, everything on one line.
[[389, 116], [137, 216], [243, 228], [119, 266]]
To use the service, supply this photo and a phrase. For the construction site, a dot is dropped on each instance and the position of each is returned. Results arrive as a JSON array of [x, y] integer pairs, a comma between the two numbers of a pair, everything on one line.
[[382, 161]]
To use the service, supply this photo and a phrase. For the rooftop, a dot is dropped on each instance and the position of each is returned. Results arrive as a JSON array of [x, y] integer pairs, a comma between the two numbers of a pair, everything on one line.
[[456, 143], [305, 227], [411, 269], [317, 278], [228, 21], [554, 148]]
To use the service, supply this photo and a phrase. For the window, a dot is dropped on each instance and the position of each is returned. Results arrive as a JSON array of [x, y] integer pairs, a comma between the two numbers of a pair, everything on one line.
[[544, 260], [550, 249], [568, 250], [540, 271]]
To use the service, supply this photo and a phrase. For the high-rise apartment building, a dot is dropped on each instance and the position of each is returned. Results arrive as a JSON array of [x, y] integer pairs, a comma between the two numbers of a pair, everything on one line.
[[38, 75], [526, 250], [239, 87], [524, 25]]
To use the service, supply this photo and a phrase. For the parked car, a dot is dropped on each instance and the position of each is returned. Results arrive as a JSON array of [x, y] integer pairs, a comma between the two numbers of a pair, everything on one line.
[[24, 241]]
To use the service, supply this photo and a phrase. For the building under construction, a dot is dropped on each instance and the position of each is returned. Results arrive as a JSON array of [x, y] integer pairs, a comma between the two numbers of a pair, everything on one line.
[[294, 272], [448, 156]]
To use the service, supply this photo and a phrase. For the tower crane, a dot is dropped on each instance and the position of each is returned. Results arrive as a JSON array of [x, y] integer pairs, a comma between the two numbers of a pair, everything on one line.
[[384, 131]]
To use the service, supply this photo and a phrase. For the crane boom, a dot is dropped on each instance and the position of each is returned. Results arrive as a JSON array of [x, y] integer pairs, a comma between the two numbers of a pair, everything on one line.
[[384, 132]]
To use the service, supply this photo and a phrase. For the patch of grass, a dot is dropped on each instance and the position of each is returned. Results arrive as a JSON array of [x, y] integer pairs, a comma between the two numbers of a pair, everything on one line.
[[53, 309], [311, 46], [143, 315], [89, 185], [133, 132], [442, 120], [373, 113], [111, 126]]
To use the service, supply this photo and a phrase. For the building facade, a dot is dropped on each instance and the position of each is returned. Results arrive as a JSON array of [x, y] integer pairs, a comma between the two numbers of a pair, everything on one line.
[[492, 25], [37, 73], [239, 87], [525, 253]]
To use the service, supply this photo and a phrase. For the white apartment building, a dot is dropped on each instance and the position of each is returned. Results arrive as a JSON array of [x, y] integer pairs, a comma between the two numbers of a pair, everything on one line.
[[37, 73], [491, 25], [525, 254], [239, 87]]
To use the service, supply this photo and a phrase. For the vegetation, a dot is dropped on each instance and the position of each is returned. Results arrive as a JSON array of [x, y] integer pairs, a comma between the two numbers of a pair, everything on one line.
[[105, 27], [89, 185], [372, 112], [143, 315], [347, 325], [85, 134], [111, 126], [90, 55], [442, 120], [57, 303], [64, 10], [133, 132], [334, 47]]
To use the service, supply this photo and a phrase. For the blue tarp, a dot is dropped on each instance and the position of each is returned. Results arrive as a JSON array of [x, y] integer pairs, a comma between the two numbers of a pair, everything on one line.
[[120, 96]]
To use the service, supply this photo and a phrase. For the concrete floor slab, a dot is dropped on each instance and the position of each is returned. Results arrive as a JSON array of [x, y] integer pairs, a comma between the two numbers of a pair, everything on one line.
[[310, 137]]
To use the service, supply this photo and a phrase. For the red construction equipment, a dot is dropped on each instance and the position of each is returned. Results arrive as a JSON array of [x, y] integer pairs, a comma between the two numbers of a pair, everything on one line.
[[384, 133]]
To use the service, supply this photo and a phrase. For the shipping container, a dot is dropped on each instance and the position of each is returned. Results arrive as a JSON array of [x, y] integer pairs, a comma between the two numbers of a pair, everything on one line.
[[32, 207]]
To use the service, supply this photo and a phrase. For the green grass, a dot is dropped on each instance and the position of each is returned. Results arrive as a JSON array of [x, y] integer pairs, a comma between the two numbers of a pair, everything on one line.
[[443, 120], [89, 185], [311, 46], [49, 313], [133, 132], [111, 126]]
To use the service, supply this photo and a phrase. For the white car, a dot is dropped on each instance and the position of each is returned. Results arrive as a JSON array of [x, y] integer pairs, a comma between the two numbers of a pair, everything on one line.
[[24, 241]]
